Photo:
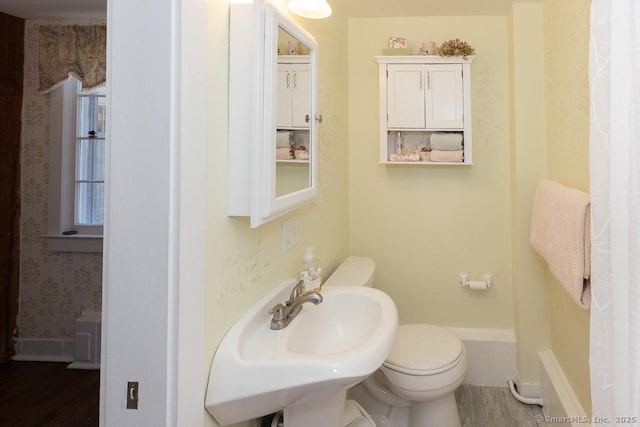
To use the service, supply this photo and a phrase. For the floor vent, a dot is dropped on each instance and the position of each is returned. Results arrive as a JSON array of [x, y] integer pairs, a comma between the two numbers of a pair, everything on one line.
[[87, 341]]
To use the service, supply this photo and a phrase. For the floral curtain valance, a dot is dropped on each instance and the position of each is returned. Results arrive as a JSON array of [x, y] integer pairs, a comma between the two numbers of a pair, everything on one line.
[[72, 50]]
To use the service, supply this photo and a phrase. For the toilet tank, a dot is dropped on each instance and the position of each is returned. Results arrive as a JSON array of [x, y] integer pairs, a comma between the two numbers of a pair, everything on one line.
[[354, 271]]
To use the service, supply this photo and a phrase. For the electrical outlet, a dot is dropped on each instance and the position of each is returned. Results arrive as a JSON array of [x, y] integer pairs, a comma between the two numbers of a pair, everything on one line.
[[132, 395], [289, 234]]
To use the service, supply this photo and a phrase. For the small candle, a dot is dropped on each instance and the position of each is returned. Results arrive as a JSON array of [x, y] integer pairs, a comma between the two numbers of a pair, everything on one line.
[[429, 47]]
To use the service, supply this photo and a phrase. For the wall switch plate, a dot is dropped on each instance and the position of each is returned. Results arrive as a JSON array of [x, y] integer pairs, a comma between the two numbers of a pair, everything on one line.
[[289, 234]]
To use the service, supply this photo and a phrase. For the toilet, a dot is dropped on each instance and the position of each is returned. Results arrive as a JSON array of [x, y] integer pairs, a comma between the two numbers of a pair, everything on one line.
[[415, 385]]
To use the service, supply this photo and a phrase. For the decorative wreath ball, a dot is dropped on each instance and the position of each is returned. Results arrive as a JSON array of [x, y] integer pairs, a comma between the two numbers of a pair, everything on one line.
[[456, 48]]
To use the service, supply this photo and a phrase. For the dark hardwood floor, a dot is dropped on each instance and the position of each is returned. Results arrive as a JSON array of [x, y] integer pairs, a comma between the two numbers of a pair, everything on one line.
[[38, 394]]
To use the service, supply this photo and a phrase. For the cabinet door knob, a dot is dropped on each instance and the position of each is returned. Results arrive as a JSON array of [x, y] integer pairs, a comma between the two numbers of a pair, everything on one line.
[[307, 118]]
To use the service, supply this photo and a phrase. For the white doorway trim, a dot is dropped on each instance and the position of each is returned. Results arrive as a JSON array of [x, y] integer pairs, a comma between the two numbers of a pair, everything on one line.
[[153, 283]]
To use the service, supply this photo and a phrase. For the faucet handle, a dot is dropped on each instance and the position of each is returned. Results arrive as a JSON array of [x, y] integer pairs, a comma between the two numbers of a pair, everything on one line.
[[295, 293], [278, 312]]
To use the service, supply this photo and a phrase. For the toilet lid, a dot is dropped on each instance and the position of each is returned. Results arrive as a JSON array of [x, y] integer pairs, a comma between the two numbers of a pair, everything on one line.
[[423, 349]]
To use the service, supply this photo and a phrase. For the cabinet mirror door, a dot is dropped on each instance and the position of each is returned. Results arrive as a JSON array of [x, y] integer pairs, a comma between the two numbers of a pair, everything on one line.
[[293, 115], [290, 150]]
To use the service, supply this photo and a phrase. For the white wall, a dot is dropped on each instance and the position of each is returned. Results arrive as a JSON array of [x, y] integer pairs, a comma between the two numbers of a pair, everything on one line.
[[154, 231]]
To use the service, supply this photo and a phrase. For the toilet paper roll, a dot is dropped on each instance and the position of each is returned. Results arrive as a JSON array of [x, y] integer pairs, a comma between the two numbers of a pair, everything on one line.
[[478, 285]]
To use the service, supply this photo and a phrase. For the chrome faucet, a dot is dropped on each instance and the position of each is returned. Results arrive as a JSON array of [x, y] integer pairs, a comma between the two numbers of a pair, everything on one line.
[[284, 314]]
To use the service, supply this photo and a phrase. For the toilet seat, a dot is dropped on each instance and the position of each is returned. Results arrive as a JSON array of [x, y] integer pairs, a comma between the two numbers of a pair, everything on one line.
[[426, 362], [423, 349]]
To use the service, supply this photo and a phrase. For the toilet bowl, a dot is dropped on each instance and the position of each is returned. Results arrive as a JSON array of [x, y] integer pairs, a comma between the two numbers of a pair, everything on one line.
[[415, 385]]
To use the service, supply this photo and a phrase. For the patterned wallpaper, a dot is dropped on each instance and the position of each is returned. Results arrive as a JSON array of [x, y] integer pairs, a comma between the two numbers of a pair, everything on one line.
[[54, 287]]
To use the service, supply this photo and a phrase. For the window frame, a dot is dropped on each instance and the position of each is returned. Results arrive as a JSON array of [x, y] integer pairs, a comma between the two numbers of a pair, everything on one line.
[[62, 170]]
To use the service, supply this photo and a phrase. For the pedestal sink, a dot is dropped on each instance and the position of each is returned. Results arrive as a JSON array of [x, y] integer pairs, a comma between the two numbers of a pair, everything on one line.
[[306, 367]]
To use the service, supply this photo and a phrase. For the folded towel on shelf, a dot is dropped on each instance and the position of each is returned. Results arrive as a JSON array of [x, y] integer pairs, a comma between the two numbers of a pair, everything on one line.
[[301, 138], [560, 233], [283, 153], [283, 139], [419, 139], [446, 141], [446, 156]]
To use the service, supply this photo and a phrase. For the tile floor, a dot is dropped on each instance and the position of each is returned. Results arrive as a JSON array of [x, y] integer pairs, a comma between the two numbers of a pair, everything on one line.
[[480, 406]]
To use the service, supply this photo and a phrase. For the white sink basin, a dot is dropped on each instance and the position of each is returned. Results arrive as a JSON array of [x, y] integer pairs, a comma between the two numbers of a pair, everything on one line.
[[343, 322], [326, 349]]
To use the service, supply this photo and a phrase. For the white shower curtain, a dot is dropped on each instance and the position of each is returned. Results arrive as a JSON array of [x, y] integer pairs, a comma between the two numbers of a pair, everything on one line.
[[614, 69]]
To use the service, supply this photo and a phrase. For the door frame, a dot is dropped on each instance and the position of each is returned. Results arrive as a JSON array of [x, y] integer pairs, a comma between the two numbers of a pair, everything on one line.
[[11, 89]]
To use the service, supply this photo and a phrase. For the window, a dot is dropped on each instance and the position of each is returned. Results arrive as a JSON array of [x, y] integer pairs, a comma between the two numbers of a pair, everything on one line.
[[89, 159], [77, 166]]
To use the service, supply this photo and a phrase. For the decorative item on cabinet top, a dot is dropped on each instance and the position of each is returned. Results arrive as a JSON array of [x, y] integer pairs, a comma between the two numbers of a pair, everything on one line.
[[456, 48], [425, 110], [428, 48], [397, 46]]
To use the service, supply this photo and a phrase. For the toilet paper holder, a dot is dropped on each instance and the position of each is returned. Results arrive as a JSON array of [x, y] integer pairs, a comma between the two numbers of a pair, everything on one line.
[[480, 285]]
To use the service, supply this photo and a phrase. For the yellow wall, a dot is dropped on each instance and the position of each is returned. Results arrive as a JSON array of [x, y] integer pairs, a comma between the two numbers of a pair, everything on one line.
[[425, 224], [528, 163], [566, 38], [243, 263]]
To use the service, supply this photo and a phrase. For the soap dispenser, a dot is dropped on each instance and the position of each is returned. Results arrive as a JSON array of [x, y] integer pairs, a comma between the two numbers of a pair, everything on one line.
[[311, 272]]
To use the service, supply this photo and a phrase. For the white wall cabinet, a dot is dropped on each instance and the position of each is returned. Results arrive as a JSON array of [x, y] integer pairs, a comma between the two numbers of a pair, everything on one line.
[[294, 92], [421, 96]]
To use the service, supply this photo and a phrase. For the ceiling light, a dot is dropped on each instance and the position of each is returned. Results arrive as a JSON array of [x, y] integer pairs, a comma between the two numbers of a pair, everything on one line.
[[314, 9]]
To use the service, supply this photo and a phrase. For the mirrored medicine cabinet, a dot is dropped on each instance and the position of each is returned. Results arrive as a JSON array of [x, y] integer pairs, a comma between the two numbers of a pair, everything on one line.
[[272, 108]]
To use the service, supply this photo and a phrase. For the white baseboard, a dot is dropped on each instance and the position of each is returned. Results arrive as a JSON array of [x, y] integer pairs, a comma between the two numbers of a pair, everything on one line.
[[491, 355], [44, 350], [558, 398]]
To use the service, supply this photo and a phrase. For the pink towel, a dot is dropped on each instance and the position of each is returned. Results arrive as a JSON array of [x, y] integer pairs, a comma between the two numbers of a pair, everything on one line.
[[283, 153], [446, 156], [560, 233]]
